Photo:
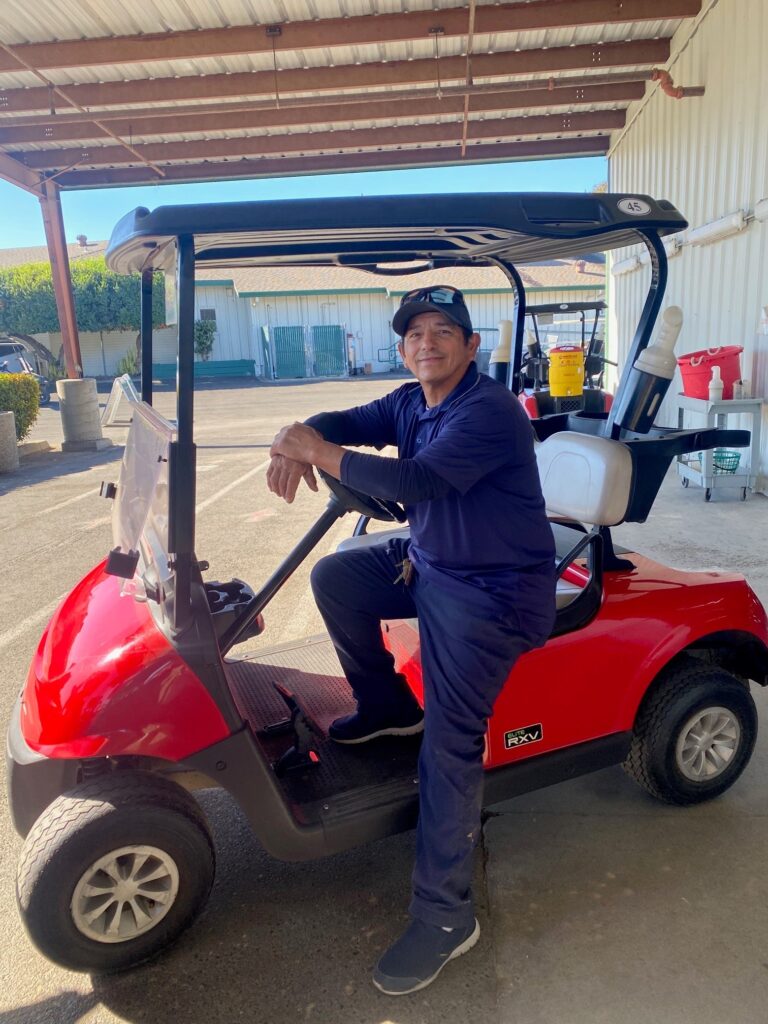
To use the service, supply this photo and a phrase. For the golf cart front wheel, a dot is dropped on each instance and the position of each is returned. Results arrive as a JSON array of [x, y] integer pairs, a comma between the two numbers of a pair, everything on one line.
[[694, 734], [113, 871]]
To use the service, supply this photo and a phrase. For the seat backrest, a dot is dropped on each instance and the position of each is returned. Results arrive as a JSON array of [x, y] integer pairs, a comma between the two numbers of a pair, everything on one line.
[[585, 477]]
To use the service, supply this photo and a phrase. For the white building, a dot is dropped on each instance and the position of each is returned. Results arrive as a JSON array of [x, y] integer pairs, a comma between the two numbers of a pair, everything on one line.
[[709, 156]]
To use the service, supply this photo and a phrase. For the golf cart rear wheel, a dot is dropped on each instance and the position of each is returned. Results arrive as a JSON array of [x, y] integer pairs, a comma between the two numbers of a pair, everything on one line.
[[694, 734], [113, 871]]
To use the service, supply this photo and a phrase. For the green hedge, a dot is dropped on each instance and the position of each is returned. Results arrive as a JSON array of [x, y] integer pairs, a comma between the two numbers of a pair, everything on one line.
[[103, 301], [20, 394]]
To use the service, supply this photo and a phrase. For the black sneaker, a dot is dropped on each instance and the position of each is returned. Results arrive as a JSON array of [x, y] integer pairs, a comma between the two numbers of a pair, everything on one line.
[[419, 955], [360, 727]]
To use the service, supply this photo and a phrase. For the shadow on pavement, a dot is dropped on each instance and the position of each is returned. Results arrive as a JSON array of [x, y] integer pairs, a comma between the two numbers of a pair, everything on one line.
[[45, 466], [64, 1008]]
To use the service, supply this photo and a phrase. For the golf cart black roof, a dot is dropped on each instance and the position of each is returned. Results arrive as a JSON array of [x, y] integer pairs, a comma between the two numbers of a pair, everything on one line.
[[439, 230]]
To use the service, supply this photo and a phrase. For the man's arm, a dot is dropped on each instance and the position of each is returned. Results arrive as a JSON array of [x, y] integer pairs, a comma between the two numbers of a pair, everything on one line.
[[403, 480], [294, 451]]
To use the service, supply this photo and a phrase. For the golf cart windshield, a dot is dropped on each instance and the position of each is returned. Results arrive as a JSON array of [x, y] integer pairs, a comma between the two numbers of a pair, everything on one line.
[[140, 511]]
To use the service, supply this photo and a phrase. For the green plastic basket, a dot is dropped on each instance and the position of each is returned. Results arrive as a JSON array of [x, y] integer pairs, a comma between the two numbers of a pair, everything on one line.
[[723, 460]]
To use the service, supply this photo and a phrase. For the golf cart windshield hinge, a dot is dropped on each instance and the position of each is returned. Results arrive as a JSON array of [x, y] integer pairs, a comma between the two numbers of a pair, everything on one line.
[[121, 563], [108, 489]]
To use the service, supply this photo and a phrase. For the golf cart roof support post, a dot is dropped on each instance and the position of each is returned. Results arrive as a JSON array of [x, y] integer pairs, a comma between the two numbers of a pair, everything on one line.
[[53, 222], [513, 375], [146, 336], [181, 539], [645, 325]]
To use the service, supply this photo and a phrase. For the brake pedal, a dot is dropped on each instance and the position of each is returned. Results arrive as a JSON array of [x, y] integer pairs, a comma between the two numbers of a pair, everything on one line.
[[303, 754]]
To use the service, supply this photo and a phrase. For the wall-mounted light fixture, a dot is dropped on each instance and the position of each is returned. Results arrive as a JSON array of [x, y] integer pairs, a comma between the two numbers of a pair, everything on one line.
[[731, 224], [672, 246], [625, 266]]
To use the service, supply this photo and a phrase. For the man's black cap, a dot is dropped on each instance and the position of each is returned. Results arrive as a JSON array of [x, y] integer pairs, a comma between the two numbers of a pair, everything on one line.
[[455, 309]]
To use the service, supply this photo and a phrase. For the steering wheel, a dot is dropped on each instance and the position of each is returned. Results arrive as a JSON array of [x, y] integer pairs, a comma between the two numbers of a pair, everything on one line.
[[365, 504]]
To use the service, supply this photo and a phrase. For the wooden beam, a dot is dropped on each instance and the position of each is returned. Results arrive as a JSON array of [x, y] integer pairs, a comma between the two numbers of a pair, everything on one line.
[[183, 120], [58, 254], [387, 159], [506, 64], [560, 89], [356, 31], [321, 142], [11, 170]]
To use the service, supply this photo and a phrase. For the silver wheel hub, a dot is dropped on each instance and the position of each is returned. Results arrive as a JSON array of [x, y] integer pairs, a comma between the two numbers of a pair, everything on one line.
[[707, 743], [125, 893]]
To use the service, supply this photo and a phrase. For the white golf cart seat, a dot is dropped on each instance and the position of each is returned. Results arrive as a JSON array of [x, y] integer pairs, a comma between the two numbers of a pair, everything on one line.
[[584, 478]]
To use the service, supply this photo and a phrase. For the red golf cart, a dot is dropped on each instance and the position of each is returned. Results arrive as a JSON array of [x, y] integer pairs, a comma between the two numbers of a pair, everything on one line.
[[134, 699]]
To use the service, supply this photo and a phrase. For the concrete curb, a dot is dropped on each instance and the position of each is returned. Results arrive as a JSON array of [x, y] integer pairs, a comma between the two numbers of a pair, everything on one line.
[[33, 448]]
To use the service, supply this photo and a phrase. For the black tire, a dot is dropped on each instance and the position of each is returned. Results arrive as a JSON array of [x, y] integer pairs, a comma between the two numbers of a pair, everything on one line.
[[670, 714], [130, 811]]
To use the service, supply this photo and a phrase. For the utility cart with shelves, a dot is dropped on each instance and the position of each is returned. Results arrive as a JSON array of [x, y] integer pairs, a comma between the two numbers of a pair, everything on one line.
[[718, 468]]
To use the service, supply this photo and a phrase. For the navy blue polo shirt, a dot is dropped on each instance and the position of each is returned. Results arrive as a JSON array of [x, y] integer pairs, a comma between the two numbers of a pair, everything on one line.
[[466, 474]]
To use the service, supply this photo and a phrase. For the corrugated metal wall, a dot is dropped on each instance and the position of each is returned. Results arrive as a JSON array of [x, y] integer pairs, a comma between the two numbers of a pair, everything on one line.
[[235, 338], [709, 156], [102, 353], [239, 319], [368, 316]]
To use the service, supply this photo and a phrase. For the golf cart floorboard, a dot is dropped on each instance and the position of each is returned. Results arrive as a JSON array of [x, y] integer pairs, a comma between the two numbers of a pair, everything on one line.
[[309, 669]]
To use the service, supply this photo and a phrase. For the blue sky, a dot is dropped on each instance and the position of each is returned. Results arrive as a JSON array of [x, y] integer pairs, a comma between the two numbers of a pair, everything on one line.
[[95, 212]]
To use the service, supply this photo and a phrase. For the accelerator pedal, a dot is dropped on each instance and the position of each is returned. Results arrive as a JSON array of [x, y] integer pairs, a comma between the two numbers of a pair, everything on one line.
[[305, 730]]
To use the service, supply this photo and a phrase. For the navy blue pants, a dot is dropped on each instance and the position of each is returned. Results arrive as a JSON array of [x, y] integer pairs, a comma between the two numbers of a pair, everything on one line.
[[469, 643]]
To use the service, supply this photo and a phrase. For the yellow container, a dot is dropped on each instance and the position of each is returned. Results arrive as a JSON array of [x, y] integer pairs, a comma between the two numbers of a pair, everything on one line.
[[566, 371]]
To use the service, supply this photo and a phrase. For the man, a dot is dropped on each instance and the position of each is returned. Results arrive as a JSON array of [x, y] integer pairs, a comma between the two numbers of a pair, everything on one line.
[[478, 572]]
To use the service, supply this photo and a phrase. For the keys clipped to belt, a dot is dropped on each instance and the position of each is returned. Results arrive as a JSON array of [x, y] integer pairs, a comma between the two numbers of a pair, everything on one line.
[[406, 572]]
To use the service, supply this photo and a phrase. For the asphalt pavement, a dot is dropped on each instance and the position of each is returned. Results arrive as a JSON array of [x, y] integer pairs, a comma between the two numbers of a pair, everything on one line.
[[596, 903]]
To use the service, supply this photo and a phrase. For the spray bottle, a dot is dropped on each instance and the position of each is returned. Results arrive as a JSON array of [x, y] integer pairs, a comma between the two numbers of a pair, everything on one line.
[[651, 376]]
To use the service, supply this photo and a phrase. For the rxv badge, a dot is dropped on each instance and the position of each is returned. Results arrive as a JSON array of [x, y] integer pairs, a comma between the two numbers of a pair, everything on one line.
[[519, 737]]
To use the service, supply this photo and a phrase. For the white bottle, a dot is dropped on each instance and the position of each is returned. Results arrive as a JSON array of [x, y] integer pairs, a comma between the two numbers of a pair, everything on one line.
[[716, 385], [650, 376], [659, 358]]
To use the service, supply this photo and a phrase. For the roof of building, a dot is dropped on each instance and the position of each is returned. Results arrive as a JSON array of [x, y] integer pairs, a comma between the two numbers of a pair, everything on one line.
[[257, 281], [39, 253]]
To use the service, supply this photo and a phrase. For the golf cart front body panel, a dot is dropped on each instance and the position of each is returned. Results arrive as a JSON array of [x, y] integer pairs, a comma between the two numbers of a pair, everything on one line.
[[101, 663]]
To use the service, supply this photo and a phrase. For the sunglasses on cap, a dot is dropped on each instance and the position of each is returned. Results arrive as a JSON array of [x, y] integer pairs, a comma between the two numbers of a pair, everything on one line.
[[442, 294]]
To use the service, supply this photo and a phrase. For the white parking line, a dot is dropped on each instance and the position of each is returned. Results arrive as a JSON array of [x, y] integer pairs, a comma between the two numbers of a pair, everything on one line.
[[230, 487], [10, 636], [69, 501]]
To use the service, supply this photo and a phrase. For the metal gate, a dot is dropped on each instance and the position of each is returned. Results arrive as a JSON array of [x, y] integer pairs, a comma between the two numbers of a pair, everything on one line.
[[330, 357], [290, 355]]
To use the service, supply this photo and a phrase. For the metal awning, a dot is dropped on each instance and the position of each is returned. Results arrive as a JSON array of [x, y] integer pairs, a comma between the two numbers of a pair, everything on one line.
[[110, 94]]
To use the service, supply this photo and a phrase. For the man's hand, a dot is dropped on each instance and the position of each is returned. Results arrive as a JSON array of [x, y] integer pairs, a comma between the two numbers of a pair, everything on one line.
[[284, 476], [298, 441]]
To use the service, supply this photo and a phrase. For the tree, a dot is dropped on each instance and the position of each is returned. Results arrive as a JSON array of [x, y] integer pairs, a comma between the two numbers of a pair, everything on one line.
[[104, 301], [205, 331]]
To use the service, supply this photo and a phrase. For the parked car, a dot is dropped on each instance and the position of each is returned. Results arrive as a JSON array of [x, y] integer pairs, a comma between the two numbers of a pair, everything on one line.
[[15, 362]]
